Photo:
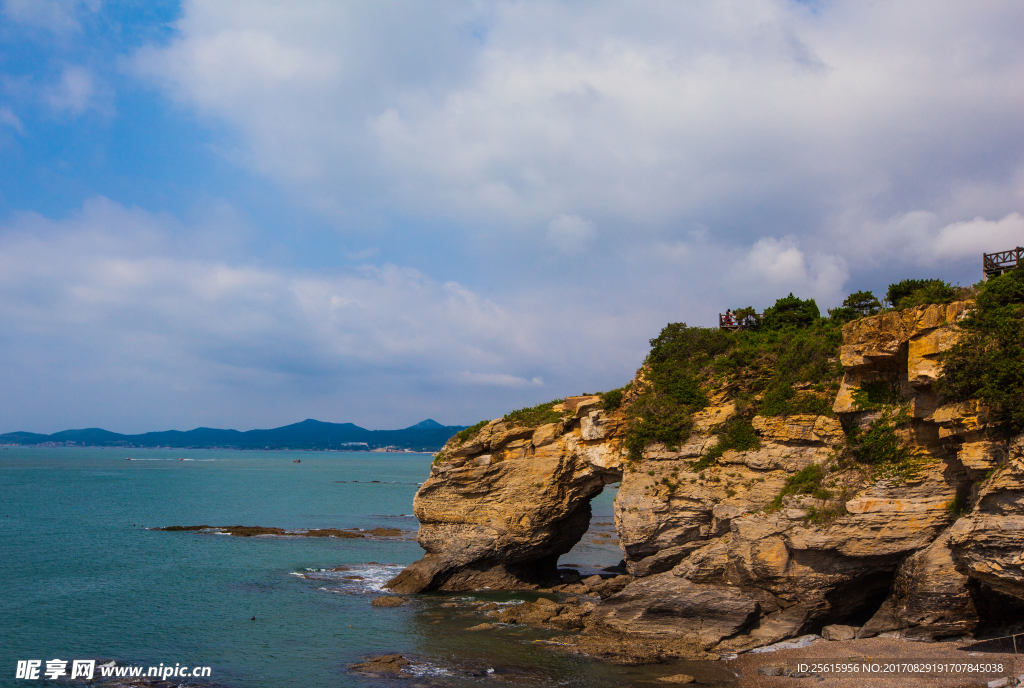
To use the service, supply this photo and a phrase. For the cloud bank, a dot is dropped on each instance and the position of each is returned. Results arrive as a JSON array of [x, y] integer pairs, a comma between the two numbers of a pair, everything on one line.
[[115, 300], [524, 193], [764, 118]]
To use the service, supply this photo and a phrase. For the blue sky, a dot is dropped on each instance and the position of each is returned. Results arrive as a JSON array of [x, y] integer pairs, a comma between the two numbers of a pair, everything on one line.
[[244, 214]]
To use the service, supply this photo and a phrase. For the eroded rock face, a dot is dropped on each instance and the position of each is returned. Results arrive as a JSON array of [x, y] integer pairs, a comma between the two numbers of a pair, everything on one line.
[[713, 569], [929, 597], [663, 606], [498, 515], [989, 542]]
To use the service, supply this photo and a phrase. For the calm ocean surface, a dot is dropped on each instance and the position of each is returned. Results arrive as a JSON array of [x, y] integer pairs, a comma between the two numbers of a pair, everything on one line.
[[85, 578]]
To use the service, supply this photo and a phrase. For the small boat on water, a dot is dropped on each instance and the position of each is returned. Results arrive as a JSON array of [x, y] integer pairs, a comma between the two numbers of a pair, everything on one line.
[[296, 461]]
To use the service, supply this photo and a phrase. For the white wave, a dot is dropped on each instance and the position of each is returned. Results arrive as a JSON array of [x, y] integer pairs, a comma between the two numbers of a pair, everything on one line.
[[359, 578], [427, 670]]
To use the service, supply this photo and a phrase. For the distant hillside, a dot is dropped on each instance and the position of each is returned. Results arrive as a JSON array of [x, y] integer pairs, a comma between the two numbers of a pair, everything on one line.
[[427, 435]]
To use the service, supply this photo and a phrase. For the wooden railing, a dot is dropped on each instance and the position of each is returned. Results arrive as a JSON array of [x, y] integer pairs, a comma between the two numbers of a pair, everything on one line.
[[729, 321], [998, 263]]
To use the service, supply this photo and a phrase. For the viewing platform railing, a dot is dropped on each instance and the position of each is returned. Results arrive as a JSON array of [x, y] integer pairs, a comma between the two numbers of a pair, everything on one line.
[[729, 321], [996, 264]]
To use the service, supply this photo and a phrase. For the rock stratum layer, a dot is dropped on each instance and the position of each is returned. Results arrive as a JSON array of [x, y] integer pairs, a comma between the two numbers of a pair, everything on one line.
[[711, 565]]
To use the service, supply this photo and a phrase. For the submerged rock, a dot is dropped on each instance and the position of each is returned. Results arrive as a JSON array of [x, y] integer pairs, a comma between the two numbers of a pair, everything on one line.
[[388, 601], [384, 665]]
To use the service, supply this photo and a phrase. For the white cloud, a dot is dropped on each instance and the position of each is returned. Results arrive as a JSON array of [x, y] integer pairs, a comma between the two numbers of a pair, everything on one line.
[[927, 239], [755, 118], [498, 380], [977, 236], [57, 16], [122, 298], [10, 119], [75, 92], [779, 265], [570, 233]]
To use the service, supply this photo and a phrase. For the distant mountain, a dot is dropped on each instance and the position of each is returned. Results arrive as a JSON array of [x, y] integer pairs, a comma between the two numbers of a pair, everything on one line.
[[428, 435], [429, 423]]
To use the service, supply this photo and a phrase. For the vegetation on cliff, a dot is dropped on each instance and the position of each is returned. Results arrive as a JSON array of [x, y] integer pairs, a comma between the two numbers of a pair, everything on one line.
[[612, 399], [988, 361], [470, 432], [786, 363], [860, 304], [533, 416], [737, 433], [789, 365], [918, 292], [880, 447]]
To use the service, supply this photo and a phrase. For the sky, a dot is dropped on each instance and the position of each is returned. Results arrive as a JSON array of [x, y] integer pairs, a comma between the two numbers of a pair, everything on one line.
[[245, 213]]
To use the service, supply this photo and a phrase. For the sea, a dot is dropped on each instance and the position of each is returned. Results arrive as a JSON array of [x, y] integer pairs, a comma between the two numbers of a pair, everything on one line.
[[86, 575]]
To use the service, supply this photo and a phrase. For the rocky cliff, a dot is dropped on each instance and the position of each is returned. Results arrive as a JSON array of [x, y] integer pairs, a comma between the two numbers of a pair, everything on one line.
[[752, 546]]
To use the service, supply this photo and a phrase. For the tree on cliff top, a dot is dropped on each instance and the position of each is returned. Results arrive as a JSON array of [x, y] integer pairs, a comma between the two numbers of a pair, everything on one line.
[[790, 311], [988, 361], [917, 292], [859, 304]]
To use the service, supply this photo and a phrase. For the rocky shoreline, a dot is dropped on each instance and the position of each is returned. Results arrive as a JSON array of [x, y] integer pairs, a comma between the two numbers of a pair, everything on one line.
[[740, 554]]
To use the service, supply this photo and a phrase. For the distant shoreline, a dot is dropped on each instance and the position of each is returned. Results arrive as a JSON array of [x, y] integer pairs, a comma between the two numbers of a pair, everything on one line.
[[427, 436], [247, 449]]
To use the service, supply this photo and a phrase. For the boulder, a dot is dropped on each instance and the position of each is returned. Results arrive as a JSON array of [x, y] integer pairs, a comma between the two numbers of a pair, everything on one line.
[[838, 632], [383, 665]]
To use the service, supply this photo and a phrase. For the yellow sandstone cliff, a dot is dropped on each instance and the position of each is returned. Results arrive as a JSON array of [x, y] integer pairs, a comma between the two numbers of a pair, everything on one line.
[[716, 560]]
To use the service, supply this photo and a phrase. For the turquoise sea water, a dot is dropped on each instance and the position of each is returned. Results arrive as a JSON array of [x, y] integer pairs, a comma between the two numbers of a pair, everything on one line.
[[84, 577]]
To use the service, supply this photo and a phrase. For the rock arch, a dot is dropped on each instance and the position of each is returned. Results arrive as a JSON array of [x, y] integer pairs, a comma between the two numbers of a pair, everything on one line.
[[498, 511]]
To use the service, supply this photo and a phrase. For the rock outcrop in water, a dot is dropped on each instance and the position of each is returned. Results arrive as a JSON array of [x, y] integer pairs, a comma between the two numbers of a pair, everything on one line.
[[723, 559]]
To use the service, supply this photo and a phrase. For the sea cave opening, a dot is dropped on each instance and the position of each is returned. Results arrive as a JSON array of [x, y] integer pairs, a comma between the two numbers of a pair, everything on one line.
[[598, 551]]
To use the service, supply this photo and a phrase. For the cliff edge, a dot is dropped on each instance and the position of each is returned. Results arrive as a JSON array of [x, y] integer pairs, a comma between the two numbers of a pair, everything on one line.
[[845, 491]]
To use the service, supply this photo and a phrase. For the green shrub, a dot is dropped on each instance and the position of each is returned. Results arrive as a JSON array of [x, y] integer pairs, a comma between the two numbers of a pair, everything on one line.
[[987, 362], [882, 449], [790, 311], [857, 305], [877, 393], [778, 360], [880, 443], [663, 412], [783, 400], [736, 433], [826, 514], [470, 432], [685, 361], [533, 416], [612, 399], [654, 418], [807, 481], [681, 345], [918, 292], [959, 505]]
